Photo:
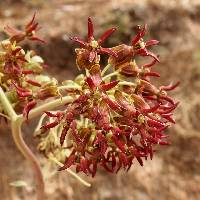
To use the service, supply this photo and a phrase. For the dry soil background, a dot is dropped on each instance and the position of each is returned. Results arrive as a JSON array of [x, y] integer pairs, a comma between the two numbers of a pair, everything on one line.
[[174, 173]]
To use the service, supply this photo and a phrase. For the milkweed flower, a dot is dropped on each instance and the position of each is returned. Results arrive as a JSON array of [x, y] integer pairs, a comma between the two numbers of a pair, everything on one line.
[[29, 32], [88, 55], [118, 117]]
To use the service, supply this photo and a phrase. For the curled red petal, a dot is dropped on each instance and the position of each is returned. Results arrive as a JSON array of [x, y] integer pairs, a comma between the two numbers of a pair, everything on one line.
[[107, 34], [168, 109], [68, 162], [50, 125], [151, 43], [168, 117], [84, 165], [35, 38], [78, 40], [150, 64], [168, 99], [108, 86], [139, 35], [63, 134], [111, 103], [119, 143], [150, 110], [32, 27], [170, 87], [102, 142], [32, 20], [145, 52], [75, 133], [28, 108], [57, 114], [124, 103], [90, 30], [155, 74], [11, 31], [164, 143], [27, 72], [155, 123], [90, 83], [107, 51], [34, 83]]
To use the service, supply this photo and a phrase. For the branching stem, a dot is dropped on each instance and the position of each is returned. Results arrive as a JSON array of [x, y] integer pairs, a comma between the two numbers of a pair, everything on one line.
[[16, 124]]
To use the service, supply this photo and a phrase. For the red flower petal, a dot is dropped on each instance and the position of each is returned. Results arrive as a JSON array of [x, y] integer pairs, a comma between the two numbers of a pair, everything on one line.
[[170, 87], [151, 43], [63, 134], [32, 82], [28, 108], [107, 34], [139, 35], [107, 51], [90, 30], [68, 162], [78, 40], [108, 86]]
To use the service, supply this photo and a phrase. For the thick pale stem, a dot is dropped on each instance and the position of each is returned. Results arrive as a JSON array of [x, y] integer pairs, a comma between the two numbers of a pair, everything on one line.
[[7, 106], [16, 123], [24, 149], [47, 106], [67, 87]]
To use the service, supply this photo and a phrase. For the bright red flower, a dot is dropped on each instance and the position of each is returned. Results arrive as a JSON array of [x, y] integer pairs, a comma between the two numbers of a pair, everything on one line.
[[92, 48], [29, 32]]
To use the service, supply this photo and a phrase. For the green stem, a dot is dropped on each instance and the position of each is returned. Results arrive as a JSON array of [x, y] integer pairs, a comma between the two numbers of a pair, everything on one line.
[[110, 75], [105, 69], [7, 105]]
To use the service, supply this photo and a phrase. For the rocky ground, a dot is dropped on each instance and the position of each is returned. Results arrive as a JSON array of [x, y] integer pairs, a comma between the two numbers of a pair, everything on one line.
[[174, 172]]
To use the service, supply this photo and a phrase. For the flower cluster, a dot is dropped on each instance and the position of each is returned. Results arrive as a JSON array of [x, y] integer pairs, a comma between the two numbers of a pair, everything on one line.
[[116, 117], [21, 72]]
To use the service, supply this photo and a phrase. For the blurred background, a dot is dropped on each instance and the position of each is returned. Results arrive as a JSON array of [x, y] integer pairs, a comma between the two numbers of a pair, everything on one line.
[[174, 173]]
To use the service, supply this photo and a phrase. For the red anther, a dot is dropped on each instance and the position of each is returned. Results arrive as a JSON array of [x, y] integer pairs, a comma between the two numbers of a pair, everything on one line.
[[170, 87]]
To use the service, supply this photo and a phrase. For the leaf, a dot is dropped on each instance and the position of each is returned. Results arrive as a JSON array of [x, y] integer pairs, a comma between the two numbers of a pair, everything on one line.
[[18, 183]]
